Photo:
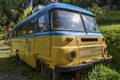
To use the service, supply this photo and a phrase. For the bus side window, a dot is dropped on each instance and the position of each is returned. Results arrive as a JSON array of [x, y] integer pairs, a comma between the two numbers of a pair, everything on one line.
[[24, 29], [20, 31], [23, 32], [16, 32], [31, 27], [13, 33], [42, 24]]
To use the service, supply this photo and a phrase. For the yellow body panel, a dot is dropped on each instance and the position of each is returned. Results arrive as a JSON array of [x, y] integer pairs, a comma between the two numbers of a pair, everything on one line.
[[54, 50], [42, 49], [86, 51], [25, 47]]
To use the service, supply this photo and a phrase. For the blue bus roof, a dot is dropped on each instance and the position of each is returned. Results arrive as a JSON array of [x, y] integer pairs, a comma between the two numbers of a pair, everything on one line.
[[57, 5], [68, 6]]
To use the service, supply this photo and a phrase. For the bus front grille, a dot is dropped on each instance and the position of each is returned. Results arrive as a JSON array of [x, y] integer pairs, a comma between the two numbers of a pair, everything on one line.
[[90, 51]]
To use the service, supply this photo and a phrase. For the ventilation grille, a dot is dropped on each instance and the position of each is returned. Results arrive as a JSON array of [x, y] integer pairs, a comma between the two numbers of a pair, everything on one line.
[[89, 39]]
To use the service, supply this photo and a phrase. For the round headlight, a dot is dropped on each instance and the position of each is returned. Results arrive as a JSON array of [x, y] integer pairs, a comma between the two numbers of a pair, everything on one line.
[[106, 51], [72, 55]]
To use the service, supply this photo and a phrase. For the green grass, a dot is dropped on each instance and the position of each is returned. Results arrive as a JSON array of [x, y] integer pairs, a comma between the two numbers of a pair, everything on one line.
[[12, 65], [4, 54], [9, 64], [102, 72], [1, 42], [15, 66], [110, 27]]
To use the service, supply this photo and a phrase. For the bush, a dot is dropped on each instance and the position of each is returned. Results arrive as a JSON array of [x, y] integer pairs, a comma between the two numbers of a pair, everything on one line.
[[111, 17], [112, 34], [102, 73]]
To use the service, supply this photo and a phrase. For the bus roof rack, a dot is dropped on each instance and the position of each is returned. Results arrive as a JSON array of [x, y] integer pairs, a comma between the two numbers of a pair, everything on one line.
[[47, 2], [38, 7]]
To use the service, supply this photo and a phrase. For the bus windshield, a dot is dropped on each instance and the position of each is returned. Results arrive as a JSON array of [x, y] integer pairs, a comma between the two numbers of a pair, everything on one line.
[[69, 20], [90, 23]]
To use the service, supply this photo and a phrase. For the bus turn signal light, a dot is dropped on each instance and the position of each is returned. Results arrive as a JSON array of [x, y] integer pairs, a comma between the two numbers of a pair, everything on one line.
[[103, 39], [69, 39]]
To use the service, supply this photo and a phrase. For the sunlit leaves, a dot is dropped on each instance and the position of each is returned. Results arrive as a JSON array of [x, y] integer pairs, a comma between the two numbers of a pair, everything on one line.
[[112, 34]]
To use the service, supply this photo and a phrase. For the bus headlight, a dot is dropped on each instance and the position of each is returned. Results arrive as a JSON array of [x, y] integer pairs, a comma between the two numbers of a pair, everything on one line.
[[106, 51], [72, 55]]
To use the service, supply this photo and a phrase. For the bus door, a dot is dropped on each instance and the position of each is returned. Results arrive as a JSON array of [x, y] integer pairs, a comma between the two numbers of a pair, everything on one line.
[[42, 39], [30, 58], [21, 42]]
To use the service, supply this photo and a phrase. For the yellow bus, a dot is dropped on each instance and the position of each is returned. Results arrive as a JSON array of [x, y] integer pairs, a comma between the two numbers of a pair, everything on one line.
[[60, 38]]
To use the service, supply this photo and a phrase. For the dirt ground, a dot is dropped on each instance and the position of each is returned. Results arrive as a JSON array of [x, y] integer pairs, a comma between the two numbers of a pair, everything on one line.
[[5, 76], [5, 69]]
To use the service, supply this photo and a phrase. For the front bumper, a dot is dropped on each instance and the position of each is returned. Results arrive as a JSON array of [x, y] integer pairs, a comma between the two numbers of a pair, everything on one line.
[[82, 66]]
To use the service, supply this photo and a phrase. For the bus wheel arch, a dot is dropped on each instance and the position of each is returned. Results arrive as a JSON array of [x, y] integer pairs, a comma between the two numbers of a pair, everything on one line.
[[17, 54]]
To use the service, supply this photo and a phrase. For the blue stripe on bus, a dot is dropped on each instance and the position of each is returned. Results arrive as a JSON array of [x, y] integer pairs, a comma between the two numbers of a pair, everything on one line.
[[32, 35], [76, 33], [61, 33]]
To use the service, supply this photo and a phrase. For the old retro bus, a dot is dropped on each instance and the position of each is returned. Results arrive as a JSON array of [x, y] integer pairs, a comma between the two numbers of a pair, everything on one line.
[[60, 38]]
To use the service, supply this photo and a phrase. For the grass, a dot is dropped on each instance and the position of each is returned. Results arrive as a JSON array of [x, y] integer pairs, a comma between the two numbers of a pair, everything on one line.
[[1, 42], [15, 66], [4, 54], [102, 72], [11, 65], [110, 27]]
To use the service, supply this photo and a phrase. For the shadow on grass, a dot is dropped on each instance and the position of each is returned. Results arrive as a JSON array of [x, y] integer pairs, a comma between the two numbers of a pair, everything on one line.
[[15, 67]]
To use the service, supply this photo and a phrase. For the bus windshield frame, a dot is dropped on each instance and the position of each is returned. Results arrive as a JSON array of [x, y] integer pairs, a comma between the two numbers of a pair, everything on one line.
[[68, 20]]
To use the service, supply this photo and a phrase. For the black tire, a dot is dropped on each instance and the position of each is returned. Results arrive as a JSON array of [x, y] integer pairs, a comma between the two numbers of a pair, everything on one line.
[[45, 71]]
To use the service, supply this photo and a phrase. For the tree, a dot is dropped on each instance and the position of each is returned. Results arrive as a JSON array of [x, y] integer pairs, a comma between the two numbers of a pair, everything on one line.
[[10, 11], [36, 2], [60, 0]]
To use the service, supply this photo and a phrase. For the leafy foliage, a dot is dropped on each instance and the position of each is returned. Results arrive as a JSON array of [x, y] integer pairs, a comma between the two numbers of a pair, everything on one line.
[[96, 10], [112, 34], [10, 11], [102, 73], [112, 17]]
